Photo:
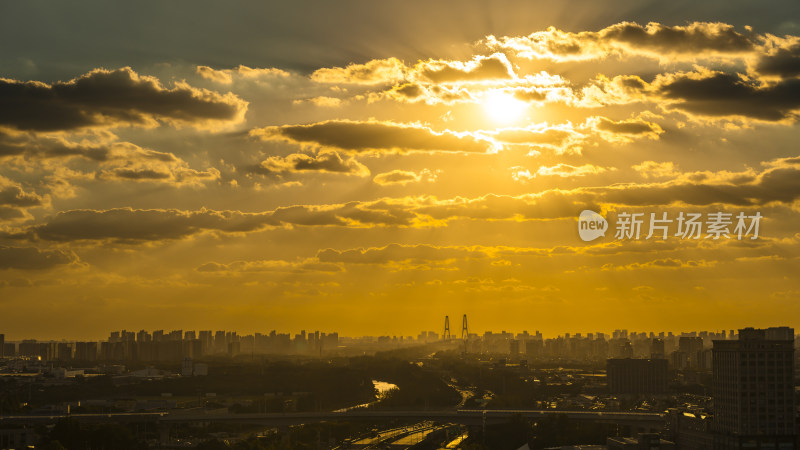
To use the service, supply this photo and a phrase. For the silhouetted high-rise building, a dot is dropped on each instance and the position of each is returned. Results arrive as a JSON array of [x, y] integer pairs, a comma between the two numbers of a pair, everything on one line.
[[220, 344], [194, 348], [86, 351], [143, 336], [207, 339], [657, 349], [621, 348], [2, 345], [691, 348], [754, 390], [534, 349], [64, 351]]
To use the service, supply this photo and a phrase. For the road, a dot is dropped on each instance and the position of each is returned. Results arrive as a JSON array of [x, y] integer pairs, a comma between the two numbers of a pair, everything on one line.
[[463, 416]]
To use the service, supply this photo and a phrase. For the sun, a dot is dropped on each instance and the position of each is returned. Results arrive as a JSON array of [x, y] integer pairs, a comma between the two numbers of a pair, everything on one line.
[[503, 107]]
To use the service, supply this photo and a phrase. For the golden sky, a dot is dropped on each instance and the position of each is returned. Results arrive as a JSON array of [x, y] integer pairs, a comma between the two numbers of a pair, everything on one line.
[[371, 171]]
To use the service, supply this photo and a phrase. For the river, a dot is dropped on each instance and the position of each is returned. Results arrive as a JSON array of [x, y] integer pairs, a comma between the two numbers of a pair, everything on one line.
[[383, 388]]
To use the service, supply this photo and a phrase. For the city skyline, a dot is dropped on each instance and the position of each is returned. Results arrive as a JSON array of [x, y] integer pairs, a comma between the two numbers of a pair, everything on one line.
[[455, 333], [689, 350]]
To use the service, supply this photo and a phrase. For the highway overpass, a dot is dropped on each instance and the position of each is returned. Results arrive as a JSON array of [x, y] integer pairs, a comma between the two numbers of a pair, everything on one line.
[[640, 421]]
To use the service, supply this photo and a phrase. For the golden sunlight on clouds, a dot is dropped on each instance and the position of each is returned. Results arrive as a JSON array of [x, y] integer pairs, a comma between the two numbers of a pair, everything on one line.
[[503, 108], [314, 189]]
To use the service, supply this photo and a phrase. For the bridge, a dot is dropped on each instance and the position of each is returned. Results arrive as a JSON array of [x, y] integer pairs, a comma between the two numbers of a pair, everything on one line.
[[639, 421]]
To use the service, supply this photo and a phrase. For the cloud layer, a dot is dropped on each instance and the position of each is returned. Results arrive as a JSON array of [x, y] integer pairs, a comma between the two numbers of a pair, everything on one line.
[[105, 98]]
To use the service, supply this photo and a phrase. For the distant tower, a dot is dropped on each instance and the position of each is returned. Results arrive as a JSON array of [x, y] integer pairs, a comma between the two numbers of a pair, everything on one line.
[[464, 330], [446, 334]]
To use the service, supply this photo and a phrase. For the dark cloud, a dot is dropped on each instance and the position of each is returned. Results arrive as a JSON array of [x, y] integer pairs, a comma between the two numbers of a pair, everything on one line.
[[305, 215], [132, 225], [324, 161], [550, 136], [156, 155], [94, 152], [630, 126], [481, 68], [409, 90], [30, 258], [696, 37], [135, 225], [720, 94], [13, 195], [128, 224], [11, 145], [121, 161], [11, 213], [664, 263], [546, 205], [269, 265], [398, 252], [15, 201], [784, 62], [372, 72], [54, 147], [429, 93], [111, 98], [396, 177], [695, 40], [779, 183], [564, 138], [531, 94], [227, 76], [143, 174], [374, 136], [404, 177]]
